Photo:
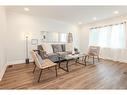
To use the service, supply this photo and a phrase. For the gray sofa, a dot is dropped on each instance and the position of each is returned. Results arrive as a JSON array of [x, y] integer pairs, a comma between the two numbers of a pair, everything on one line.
[[57, 48]]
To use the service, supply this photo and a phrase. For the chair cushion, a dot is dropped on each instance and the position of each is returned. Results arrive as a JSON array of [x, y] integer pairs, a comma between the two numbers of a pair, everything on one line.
[[94, 50], [48, 63], [39, 58]]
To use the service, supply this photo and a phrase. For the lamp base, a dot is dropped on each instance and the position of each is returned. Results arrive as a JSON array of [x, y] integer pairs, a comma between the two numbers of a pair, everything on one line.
[[27, 60]]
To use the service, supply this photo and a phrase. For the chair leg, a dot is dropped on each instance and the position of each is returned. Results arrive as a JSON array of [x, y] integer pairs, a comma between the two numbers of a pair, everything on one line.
[[93, 59], [39, 76], [56, 70], [67, 66], [34, 68]]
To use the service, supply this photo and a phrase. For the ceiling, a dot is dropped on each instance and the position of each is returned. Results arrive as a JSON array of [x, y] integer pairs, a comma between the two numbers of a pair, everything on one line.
[[72, 14]]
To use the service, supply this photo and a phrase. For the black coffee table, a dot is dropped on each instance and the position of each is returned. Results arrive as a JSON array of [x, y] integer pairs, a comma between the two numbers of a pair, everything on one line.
[[68, 57]]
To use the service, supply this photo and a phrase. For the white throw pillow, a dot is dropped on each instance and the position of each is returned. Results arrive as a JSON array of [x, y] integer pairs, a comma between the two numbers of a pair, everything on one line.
[[47, 47], [69, 47]]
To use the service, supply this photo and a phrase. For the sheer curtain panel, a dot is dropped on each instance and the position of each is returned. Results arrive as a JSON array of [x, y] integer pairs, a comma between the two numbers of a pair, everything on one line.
[[112, 40]]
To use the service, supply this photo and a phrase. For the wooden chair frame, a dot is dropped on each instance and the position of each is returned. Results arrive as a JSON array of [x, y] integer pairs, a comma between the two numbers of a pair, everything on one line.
[[93, 54], [45, 65]]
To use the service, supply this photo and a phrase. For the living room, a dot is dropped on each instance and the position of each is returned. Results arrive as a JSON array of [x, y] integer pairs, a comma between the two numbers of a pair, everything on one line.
[[23, 28]]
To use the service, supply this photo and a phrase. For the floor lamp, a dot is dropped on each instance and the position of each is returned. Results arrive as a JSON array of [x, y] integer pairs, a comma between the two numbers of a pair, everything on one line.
[[27, 58]]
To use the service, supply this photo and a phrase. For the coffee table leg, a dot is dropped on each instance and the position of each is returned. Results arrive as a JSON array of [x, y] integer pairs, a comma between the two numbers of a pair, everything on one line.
[[67, 70], [85, 60], [67, 66]]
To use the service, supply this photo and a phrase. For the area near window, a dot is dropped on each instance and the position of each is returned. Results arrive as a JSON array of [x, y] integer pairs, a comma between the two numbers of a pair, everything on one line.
[[111, 36]]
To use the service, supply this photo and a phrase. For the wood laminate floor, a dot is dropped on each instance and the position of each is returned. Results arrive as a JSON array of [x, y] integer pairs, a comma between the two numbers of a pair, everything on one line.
[[102, 75]]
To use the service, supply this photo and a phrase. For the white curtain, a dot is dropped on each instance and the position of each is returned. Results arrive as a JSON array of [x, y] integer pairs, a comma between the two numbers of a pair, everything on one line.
[[110, 36], [104, 36], [118, 36], [112, 40]]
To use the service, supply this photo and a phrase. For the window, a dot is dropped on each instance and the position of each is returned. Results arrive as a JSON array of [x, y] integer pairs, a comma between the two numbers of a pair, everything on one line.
[[63, 37], [112, 36]]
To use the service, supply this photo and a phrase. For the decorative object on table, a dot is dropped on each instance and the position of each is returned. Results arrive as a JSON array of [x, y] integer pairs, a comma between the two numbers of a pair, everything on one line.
[[70, 38], [44, 37], [76, 51], [26, 39], [34, 41]]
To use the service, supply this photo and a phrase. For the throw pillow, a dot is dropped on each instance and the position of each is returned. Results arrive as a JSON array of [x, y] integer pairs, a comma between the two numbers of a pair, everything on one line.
[[57, 48], [47, 47]]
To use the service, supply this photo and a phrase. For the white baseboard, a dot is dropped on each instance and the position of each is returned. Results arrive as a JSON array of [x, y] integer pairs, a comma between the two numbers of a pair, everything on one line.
[[122, 61], [2, 72], [17, 62]]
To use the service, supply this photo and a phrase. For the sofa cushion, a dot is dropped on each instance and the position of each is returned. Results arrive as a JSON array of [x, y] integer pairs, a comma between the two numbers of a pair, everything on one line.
[[47, 47], [57, 48], [62, 53]]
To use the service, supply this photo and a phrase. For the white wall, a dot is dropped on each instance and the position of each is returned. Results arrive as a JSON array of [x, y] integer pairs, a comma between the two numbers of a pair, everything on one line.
[[2, 41], [117, 55], [84, 38], [19, 24]]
